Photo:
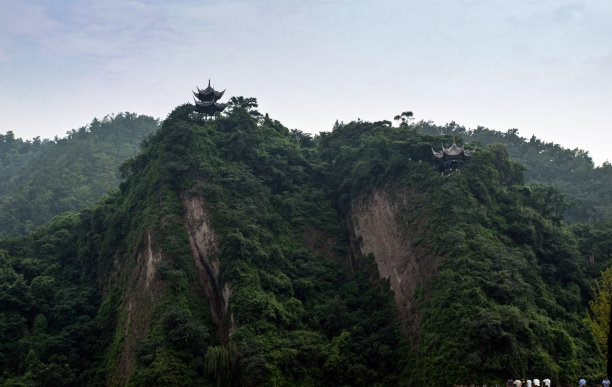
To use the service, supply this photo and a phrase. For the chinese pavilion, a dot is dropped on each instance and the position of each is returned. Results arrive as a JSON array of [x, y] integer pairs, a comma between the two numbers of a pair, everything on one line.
[[206, 101], [451, 159]]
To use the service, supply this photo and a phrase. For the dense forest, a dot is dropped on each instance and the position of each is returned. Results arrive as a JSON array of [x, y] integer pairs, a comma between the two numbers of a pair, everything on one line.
[[587, 189], [239, 252], [40, 179]]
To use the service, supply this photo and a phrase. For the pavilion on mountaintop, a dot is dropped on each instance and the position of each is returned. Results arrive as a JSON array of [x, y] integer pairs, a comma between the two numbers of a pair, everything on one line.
[[451, 159], [206, 101]]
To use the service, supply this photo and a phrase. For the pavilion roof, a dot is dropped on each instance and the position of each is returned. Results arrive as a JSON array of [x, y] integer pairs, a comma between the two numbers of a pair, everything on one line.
[[208, 94], [452, 151]]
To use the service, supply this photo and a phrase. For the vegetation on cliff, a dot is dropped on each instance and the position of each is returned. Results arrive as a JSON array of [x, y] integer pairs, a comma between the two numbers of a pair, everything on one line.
[[586, 187], [509, 295], [116, 294]]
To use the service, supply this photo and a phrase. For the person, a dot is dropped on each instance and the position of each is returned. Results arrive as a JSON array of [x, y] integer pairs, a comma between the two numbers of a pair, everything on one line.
[[528, 382], [582, 382], [536, 382], [546, 382], [517, 383], [509, 382], [605, 382]]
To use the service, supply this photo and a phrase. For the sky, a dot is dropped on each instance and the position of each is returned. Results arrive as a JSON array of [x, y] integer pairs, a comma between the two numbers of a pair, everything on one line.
[[542, 67]]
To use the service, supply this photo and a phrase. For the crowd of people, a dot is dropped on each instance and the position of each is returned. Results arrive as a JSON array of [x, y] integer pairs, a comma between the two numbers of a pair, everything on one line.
[[528, 383], [547, 383]]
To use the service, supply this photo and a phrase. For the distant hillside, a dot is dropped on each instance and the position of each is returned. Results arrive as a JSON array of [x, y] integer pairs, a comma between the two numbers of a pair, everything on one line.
[[238, 252], [40, 179], [588, 189]]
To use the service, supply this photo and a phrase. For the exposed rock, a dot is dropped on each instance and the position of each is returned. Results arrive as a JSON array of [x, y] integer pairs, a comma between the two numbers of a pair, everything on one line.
[[381, 226], [204, 246]]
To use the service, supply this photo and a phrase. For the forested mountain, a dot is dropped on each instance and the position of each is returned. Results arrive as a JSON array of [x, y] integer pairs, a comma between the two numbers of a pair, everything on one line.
[[40, 179], [238, 252], [587, 189]]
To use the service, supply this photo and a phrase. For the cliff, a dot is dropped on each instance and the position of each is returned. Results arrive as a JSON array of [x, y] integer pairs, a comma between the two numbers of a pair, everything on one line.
[[238, 252], [385, 225]]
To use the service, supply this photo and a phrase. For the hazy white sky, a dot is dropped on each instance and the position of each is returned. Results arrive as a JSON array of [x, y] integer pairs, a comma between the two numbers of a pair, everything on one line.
[[544, 67]]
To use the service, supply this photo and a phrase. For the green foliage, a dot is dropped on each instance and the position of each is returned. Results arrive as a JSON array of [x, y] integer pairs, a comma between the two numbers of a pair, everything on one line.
[[218, 367], [595, 244], [265, 187], [40, 179], [47, 317], [509, 294], [512, 276], [80, 305], [586, 187], [599, 314]]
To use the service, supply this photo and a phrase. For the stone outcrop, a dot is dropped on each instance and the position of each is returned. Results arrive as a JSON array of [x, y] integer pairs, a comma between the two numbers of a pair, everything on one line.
[[204, 247], [390, 226]]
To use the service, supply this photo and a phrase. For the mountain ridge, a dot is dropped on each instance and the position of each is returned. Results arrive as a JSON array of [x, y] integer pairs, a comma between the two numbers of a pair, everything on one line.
[[239, 252]]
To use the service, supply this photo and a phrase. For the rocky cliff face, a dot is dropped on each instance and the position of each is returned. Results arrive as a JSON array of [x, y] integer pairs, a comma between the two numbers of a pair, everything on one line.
[[145, 287], [385, 225], [204, 247]]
